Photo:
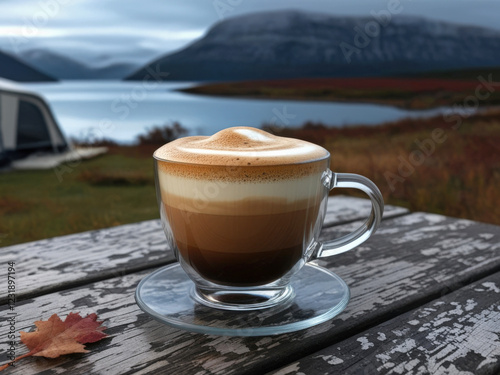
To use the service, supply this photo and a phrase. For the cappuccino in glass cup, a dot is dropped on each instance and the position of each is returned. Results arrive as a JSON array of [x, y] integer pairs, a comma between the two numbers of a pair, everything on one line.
[[242, 210]]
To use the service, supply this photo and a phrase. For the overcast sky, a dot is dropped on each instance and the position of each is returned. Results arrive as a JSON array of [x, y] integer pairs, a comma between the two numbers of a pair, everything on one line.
[[103, 31]]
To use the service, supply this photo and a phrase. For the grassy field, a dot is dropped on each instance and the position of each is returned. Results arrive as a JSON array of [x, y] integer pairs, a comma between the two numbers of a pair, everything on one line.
[[110, 190], [459, 176], [409, 93]]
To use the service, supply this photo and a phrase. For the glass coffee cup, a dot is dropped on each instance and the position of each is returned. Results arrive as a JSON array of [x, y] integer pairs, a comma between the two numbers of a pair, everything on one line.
[[242, 211]]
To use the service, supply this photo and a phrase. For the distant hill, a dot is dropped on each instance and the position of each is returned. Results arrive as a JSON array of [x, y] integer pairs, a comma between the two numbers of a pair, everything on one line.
[[16, 70], [65, 68], [294, 44]]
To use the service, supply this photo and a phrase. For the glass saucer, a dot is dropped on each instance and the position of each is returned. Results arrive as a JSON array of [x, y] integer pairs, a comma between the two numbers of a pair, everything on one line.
[[166, 296]]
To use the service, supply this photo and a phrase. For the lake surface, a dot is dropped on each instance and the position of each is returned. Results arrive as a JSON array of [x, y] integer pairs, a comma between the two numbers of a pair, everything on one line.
[[122, 110]]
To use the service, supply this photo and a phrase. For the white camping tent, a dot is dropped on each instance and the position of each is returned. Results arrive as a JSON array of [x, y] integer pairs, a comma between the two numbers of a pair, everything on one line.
[[27, 124]]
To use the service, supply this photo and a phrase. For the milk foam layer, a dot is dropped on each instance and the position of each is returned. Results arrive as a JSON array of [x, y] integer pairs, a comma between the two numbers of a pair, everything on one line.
[[241, 164], [212, 196], [240, 146]]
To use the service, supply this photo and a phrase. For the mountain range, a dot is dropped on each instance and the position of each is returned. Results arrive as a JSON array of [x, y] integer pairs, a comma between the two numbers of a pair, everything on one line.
[[63, 67], [14, 69], [289, 44], [39, 65], [293, 44]]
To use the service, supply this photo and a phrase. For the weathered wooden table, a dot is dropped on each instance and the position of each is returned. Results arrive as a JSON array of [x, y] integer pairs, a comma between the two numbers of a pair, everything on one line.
[[425, 300]]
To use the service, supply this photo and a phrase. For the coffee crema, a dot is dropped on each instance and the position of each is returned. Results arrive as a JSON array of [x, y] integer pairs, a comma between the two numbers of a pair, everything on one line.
[[242, 204]]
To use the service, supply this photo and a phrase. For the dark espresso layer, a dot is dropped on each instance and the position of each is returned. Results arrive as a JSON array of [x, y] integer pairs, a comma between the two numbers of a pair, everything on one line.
[[242, 250], [241, 269]]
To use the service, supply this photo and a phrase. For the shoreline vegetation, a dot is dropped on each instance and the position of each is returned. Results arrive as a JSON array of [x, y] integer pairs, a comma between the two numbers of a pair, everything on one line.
[[445, 166], [406, 93]]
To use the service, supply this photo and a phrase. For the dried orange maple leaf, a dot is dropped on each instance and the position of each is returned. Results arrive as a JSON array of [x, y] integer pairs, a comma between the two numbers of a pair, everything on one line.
[[55, 337]]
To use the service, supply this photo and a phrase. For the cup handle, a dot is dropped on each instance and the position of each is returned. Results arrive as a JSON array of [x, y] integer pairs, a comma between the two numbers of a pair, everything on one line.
[[348, 180]]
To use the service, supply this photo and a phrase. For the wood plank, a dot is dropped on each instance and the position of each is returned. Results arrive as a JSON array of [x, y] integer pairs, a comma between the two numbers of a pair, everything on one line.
[[412, 259], [62, 262], [456, 334], [68, 261], [343, 209]]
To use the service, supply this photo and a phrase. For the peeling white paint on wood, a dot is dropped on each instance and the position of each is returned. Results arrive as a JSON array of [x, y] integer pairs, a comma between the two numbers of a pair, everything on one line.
[[430, 252], [365, 344], [458, 334], [491, 287], [331, 359]]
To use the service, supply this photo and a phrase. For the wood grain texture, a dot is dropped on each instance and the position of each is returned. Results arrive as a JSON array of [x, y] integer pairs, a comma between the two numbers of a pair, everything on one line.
[[456, 334], [412, 259], [67, 261], [61, 262], [343, 209]]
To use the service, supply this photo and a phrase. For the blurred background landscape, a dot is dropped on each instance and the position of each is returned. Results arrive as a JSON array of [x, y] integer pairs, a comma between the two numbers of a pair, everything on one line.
[[405, 93]]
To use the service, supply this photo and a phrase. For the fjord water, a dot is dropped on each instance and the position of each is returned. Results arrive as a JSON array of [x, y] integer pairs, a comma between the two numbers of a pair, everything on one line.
[[121, 110]]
